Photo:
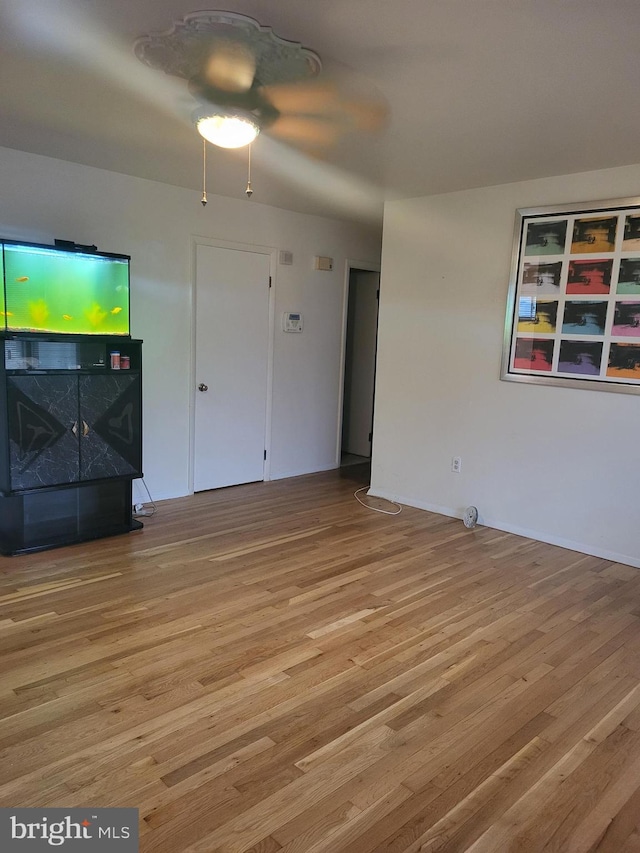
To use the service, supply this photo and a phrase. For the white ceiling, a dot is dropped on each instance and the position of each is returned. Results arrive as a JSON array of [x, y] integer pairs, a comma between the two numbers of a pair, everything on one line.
[[480, 92]]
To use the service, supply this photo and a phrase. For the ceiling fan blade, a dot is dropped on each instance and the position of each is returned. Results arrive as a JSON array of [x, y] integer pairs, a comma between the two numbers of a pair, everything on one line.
[[80, 42], [323, 99], [370, 116], [305, 130], [304, 97], [230, 66]]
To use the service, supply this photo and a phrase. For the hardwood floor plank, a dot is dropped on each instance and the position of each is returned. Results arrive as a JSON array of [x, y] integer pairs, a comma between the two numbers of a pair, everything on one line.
[[274, 668]]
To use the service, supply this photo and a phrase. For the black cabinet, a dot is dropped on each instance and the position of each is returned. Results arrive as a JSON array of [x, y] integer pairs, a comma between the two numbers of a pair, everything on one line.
[[68, 429], [70, 439]]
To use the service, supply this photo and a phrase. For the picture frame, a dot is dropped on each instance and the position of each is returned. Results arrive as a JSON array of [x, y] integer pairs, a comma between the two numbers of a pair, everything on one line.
[[573, 303]]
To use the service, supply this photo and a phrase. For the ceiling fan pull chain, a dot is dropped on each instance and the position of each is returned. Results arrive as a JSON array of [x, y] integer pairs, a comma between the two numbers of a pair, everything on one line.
[[204, 173], [248, 190]]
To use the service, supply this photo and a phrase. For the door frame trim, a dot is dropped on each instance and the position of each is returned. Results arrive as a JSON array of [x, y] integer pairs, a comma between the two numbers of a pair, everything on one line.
[[365, 266], [272, 252]]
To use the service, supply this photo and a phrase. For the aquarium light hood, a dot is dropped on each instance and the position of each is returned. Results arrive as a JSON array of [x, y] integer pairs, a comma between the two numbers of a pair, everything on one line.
[[70, 246]]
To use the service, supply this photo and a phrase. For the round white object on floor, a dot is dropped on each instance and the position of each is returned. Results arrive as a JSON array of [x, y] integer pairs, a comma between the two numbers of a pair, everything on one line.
[[470, 517]]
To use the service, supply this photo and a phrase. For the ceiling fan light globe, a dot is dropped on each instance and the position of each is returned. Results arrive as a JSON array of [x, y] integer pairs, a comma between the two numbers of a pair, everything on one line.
[[227, 131]]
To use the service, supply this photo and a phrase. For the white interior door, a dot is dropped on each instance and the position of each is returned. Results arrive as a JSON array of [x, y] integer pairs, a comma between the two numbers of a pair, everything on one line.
[[232, 345]]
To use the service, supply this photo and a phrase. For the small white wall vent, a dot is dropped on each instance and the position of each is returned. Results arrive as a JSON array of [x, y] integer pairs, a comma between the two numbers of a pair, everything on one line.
[[323, 263], [285, 257]]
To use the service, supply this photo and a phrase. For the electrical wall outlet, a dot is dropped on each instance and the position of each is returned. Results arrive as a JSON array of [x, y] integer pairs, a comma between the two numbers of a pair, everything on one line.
[[456, 464]]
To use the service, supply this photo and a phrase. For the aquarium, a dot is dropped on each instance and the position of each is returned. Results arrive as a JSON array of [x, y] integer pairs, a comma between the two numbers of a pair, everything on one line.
[[47, 289]]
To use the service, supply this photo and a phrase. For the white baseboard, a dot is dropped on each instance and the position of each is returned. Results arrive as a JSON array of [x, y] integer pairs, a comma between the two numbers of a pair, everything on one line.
[[283, 475], [580, 547]]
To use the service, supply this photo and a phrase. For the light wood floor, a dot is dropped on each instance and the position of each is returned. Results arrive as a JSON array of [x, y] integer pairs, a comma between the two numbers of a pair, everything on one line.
[[276, 668]]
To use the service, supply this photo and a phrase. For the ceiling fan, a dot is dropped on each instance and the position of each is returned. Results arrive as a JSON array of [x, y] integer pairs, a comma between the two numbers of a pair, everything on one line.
[[214, 63], [246, 80]]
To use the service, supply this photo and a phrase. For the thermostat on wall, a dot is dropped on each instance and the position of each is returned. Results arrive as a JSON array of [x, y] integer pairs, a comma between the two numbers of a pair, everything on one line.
[[292, 321]]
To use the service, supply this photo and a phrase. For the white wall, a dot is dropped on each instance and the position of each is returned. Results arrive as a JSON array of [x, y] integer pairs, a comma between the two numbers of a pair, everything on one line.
[[42, 199], [560, 465]]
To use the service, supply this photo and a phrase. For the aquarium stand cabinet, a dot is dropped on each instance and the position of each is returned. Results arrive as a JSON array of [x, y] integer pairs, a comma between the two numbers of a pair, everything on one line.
[[70, 438]]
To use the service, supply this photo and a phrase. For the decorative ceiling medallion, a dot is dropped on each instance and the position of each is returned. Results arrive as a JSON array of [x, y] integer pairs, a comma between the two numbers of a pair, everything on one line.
[[182, 50]]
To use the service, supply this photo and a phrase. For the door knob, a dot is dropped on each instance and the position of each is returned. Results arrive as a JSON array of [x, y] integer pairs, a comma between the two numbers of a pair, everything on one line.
[[203, 387]]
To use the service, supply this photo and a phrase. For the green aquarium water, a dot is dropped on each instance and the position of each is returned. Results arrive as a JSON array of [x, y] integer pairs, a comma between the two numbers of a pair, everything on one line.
[[46, 290], [2, 308]]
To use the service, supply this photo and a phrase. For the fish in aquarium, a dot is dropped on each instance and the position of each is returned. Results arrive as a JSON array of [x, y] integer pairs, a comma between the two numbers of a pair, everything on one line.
[[95, 315], [116, 310], [22, 278], [39, 312], [67, 317]]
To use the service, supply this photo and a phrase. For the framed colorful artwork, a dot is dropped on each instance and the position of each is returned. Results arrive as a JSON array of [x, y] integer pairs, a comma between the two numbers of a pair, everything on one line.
[[573, 306]]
